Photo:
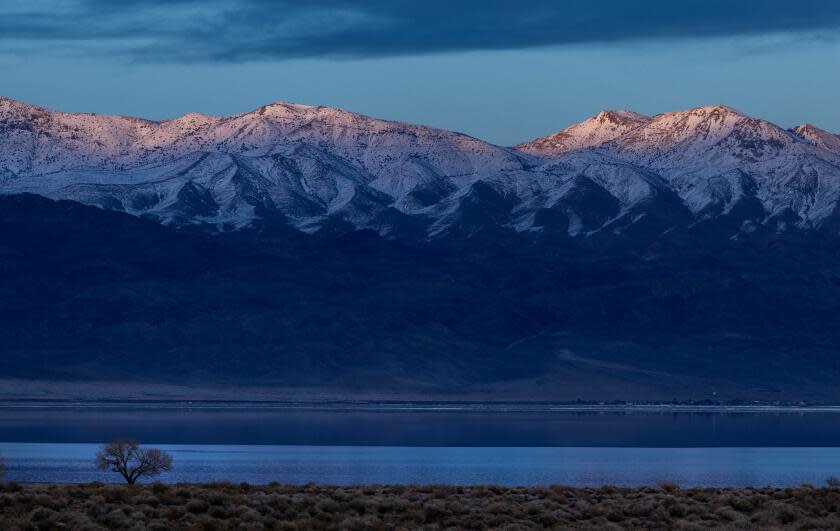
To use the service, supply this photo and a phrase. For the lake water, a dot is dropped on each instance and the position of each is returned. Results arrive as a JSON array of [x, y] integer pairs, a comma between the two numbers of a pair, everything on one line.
[[260, 445]]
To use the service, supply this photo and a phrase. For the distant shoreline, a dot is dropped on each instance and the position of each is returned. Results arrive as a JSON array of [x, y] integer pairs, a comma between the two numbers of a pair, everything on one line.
[[422, 406]]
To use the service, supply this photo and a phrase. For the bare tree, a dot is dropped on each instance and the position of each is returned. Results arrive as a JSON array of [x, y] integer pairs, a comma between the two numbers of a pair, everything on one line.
[[131, 461]]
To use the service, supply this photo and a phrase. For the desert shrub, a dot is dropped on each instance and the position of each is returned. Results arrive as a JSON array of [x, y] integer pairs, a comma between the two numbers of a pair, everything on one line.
[[532, 507], [250, 515], [591, 510], [496, 507], [160, 488], [359, 504], [10, 486], [678, 510], [44, 500], [688, 526], [727, 514], [743, 504], [145, 499], [641, 508], [786, 515], [77, 493], [158, 525], [206, 522], [700, 495], [221, 485], [196, 506], [668, 501], [434, 507], [43, 518], [116, 519], [239, 510], [434, 510], [328, 506], [219, 511], [115, 494], [215, 498], [547, 520], [660, 514], [95, 504], [174, 512], [668, 486], [6, 500], [559, 497]]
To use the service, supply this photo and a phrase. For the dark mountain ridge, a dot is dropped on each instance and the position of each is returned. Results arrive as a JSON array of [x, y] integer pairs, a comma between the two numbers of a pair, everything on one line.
[[487, 313]]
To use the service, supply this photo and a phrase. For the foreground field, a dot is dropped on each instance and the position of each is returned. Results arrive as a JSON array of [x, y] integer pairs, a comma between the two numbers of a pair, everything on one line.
[[221, 506]]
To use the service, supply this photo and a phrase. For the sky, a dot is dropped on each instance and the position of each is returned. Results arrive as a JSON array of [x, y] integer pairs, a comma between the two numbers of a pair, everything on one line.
[[502, 71]]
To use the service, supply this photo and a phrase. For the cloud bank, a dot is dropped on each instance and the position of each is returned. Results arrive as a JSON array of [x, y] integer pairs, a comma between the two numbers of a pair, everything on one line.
[[247, 30]]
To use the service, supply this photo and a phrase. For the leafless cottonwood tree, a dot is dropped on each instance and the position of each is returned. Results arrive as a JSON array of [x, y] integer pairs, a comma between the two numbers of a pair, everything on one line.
[[131, 461]]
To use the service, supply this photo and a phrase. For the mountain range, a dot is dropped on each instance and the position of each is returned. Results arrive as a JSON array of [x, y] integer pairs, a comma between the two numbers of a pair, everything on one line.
[[308, 251], [319, 167]]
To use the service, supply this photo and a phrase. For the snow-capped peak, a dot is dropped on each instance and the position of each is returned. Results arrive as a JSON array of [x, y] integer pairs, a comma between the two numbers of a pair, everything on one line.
[[620, 116], [193, 117], [714, 110], [611, 125], [698, 130], [818, 137], [603, 127]]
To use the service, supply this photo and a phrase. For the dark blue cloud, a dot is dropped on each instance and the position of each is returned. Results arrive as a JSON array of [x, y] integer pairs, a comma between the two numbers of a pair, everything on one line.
[[216, 30]]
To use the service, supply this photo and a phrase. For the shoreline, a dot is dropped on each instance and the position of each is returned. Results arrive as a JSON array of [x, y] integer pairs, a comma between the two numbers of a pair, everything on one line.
[[417, 406]]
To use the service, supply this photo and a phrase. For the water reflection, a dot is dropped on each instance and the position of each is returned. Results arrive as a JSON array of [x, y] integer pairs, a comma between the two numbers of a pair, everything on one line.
[[343, 465], [424, 428]]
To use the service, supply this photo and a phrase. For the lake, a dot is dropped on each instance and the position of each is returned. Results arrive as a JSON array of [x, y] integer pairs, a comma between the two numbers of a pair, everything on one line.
[[352, 446]]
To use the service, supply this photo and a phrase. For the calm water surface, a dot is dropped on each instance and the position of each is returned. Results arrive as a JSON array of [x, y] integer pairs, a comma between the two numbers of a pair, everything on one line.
[[462, 447]]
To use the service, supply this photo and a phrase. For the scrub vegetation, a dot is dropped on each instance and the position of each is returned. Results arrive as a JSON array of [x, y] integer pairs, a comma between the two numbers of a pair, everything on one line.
[[223, 506]]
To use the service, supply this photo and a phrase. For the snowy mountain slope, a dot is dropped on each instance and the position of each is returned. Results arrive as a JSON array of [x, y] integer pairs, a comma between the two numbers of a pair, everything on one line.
[[706, 140], [718, 160], [39, 141], [603, 127], [693, 149], [318, 167], [636, 191], [818, 137], [304, 161]]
